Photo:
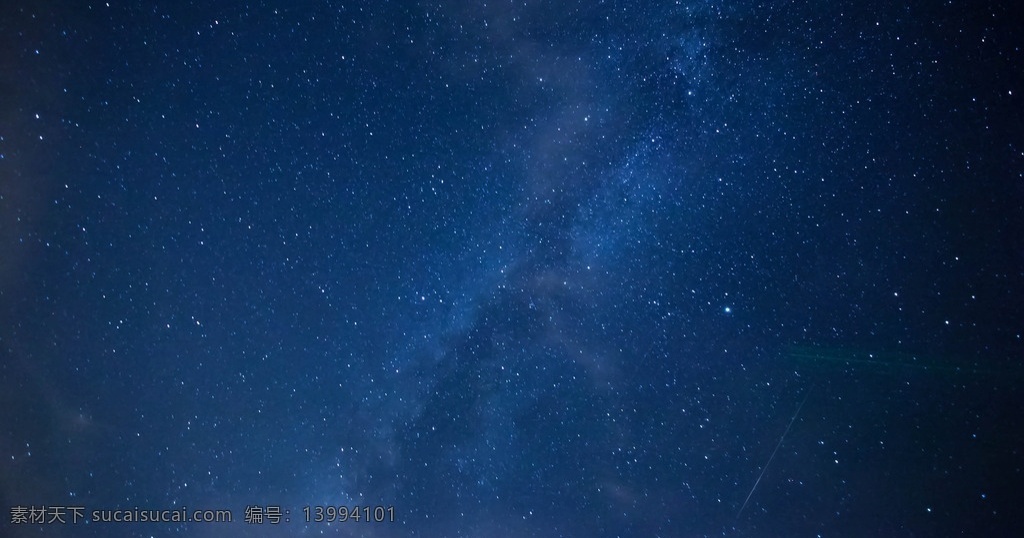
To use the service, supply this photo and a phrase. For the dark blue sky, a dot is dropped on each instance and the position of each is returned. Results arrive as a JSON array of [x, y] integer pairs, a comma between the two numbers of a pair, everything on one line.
[[515, 269]]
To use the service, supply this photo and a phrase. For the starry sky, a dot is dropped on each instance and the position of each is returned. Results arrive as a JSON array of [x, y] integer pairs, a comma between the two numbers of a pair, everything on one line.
[[514, 268]]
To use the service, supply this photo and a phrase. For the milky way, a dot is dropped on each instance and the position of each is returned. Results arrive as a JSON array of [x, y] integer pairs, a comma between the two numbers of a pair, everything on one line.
[[513, 269]]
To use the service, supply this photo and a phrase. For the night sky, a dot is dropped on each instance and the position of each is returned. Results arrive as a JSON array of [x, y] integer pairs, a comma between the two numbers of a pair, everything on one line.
[[580, 269]]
